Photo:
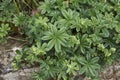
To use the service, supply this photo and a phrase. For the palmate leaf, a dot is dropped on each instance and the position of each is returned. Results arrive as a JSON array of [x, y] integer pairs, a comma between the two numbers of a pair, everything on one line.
[[117, 28], [4, 28], [81, 60], [72, 67], [67, 15], [92, 70], [48, 36], [42, 21], [105, 32], [94, 60], [62, 75], [46, 6], [75, 3], [83, 42], [57, 46], [48, 67], [83, 69], [90, 65], [68, 19], [57, 38], [50, 44], [70, 14], [19, 19], [39, 49]]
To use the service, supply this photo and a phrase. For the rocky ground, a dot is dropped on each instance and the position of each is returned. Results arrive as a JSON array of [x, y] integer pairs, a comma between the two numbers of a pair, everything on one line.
[[7, 52], [111, 72]]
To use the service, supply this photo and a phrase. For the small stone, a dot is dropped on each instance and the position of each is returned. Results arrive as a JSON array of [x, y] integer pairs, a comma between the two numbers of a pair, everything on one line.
[[5, 61], [118, 74], [22, 73], [86, 78]]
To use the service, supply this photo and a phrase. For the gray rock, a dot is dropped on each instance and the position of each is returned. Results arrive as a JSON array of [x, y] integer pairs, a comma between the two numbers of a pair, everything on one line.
[[20, 74]]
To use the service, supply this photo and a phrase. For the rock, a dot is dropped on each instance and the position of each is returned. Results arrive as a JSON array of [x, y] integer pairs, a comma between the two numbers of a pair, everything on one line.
[[111, 72], [118, 73], [20, 74]]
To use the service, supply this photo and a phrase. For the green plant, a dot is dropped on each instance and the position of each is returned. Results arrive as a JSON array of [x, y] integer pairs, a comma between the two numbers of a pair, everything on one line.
[[66, 36], [4, 31], [57, 38], [90, 66]]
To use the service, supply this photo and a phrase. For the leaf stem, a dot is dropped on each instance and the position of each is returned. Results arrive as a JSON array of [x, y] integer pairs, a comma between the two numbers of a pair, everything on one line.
[[16, 6]]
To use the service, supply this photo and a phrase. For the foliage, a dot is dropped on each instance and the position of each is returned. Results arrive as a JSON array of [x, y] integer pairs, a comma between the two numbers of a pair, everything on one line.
[[4, 31], [65, 36], [57, 38]]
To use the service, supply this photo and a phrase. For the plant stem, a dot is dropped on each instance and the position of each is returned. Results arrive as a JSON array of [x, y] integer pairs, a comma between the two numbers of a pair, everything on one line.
[[16, 6], [9, 37], [35, 2]]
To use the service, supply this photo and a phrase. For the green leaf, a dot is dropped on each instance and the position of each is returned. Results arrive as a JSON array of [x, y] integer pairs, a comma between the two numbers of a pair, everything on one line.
[[57, 46], [95, 59], [83, 43], [57, 38], [82, 61], [4, 30], [51, 44], [91, 70], [83, 69], [105, 32]]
